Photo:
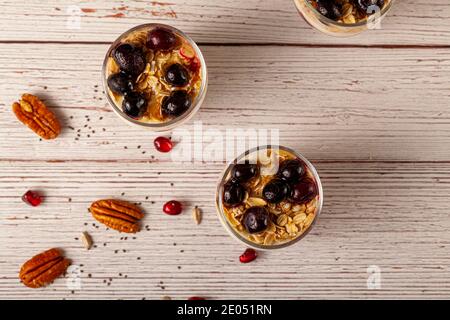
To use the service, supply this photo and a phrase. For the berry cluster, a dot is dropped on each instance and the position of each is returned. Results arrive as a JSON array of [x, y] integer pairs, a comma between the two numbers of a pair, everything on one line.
[[335, 9], [132, 62], [290, 183]]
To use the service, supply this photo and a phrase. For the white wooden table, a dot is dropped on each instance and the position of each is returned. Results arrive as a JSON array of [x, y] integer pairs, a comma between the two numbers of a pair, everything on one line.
[[371, 112]]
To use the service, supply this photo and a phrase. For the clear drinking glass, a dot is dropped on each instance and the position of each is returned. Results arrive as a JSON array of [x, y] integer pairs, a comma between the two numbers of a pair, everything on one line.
[[331, 27], [172, 123], [226, 174]]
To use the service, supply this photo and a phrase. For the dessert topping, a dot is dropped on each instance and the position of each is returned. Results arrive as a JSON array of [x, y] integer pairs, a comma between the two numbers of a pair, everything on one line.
[[43, 268], [130, 59], [163, 144], [32, 198], [32, 112], [233, 193], [173, 208], [248, 256], [256, 219], [117, 214], [176, 104], [161, 39]]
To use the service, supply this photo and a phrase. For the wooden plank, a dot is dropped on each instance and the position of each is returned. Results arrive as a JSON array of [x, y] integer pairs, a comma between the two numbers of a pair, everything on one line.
[[411, 22], [374, 120], [393, 215], [391, 105]]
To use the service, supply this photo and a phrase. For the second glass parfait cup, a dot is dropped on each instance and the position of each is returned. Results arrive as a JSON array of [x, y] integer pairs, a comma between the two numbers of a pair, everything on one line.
[[269, 197], [344, 17]]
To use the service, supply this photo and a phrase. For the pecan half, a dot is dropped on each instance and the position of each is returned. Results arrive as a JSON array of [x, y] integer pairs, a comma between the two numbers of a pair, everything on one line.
[[117, 214], [43, 268], [34, 113]]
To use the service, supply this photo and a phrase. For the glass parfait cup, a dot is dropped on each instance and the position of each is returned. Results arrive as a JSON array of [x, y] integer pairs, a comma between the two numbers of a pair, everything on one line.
[[170, 124], [338, 29], [262, 153]]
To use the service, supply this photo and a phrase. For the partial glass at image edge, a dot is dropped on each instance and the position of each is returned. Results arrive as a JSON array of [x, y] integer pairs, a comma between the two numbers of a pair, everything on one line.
[[335, 24]]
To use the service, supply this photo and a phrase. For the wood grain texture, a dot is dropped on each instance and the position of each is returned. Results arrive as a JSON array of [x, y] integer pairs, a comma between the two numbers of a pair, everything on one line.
[[374, 120], [391, 215], [411, 22], [391, 105]]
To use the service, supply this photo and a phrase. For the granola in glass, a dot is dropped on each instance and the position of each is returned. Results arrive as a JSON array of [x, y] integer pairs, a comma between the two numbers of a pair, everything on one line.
[[271, 197], [348, 11], [154, 74]]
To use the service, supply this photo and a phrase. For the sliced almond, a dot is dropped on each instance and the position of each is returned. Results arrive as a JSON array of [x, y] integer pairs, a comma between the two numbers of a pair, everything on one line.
[[197, 215], [151, 68], [246, 196], [269, 238], [233, 220], [238, 211], [257, 239], [286, 206], [87, 240], [256, 202], [256, 181], [271, 228]]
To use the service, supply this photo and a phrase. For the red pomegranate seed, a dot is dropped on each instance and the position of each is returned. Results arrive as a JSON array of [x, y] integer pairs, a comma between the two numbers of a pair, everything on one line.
[[32, 198], [195, 64], [173, 208], [163, 144], [196, 298], [248, 256]]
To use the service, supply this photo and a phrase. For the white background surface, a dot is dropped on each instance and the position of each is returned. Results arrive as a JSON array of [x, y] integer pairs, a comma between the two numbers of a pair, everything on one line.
[[371, 112]]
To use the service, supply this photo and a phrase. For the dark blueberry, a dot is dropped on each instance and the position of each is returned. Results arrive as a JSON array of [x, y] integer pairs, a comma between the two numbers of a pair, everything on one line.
[[130, 59], [303, 191], [176, 104], [161, 39], [329, 9], [256, 219], [177, 75], [134, 105], [244, 171], [275, 191], [233, 194], [368, 6], [120, 83], [292, 170]]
